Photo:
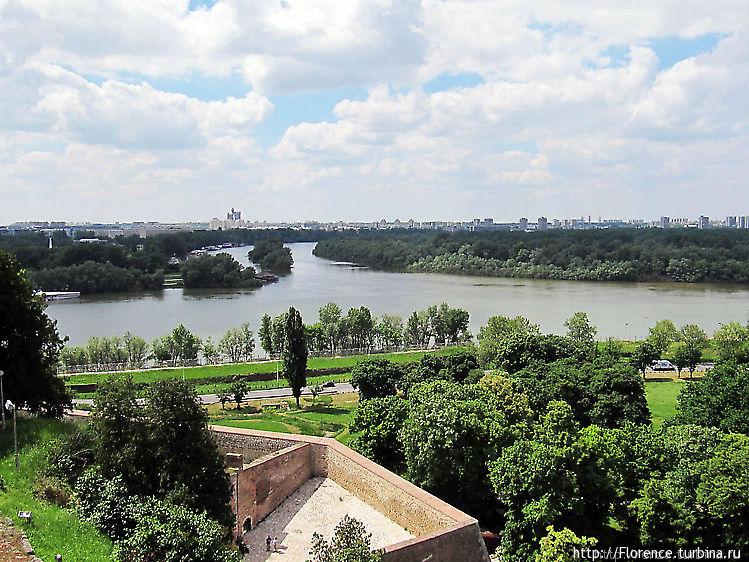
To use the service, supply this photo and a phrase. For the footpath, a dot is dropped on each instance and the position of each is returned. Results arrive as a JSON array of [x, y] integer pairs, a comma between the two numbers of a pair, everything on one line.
[[266, 394]]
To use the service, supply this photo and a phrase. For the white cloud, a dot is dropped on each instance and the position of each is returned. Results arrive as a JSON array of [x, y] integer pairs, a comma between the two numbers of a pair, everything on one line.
[[559, 120]]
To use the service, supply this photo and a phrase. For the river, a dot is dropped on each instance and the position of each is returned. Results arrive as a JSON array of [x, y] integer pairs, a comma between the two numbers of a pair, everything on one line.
[[620, 310]]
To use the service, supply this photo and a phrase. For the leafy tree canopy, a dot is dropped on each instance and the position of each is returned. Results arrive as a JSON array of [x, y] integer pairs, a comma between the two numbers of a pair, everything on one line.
[[29, 344]]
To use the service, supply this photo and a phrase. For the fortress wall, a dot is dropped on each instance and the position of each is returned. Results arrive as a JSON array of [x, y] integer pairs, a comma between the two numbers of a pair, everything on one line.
[[267, 482], [459, 541], [442, 531]]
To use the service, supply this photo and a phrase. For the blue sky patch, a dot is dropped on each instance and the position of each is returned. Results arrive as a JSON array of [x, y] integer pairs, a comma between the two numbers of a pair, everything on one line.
[[196, 85], [195, 4], [673, 49], [448, 81], [307, 107]]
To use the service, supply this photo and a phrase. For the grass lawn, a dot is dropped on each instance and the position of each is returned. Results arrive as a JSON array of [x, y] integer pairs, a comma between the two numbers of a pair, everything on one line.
[[328, 415], [52, 530], [210, 371], [662, 397]]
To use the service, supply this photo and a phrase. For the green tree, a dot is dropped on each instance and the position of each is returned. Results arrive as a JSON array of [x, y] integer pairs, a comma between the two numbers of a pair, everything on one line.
[[118, 431], [237, 344], [271, 255], [186, 344], [223, 396], [580, 329], [360, 326], [378, 422], [176, 423], [499, 326], [350, 543], [375, 378], [390, 330], [146, 446], [700, 495], [417, 329], [719, 399], [219, 271], [332, 324], [551, 478], [559, 546], [265, 333], [210, 352], [663, 333], [644, 355], [681, 359], [295, 353], [694, 340], [173, 532], [238, 390], [732, 341], [136, 349], [452, 431]]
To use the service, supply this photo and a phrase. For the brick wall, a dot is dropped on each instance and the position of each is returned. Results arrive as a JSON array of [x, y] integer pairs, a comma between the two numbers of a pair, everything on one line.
[[459, 541], [442, 532], [269, 481]]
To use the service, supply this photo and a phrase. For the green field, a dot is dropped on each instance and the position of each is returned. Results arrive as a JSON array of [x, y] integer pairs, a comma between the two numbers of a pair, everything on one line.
[[662, 397], [327, 416], [52, 530]]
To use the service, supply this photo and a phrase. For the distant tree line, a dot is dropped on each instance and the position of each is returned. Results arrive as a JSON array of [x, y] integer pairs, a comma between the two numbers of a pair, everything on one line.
[[651, 254], [178, 347], [359, 329], [131, 263]]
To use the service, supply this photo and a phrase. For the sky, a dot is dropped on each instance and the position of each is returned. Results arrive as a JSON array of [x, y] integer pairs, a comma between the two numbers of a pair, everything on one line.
[[177, 110]]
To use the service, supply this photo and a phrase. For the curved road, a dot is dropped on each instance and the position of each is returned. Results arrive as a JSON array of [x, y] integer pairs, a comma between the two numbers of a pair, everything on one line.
[[268, 394]]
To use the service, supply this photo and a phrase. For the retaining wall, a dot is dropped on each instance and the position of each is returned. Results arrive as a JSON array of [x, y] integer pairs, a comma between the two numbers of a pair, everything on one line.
[[267, 482], [442, 533]]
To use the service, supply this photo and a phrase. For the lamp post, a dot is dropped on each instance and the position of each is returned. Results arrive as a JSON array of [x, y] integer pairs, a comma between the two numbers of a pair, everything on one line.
[[12, 408], [2, 397]]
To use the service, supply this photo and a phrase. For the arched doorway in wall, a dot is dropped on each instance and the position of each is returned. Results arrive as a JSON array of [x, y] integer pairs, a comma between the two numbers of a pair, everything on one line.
[[247, 525]]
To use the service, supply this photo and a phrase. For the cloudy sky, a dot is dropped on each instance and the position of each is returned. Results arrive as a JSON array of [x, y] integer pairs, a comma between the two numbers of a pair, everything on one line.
[[362, 109]]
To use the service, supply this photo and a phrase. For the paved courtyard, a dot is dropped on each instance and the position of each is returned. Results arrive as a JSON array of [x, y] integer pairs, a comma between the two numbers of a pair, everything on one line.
[[317, 506]]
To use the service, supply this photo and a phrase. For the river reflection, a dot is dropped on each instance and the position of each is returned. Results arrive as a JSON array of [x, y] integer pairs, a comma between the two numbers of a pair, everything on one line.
[[623, 310]]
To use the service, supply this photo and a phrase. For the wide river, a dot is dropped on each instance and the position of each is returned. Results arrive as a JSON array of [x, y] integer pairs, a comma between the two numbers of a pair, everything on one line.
[[621, 310]]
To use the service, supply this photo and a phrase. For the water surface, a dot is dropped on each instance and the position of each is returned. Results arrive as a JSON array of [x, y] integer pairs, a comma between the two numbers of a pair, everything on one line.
[[622, 310]]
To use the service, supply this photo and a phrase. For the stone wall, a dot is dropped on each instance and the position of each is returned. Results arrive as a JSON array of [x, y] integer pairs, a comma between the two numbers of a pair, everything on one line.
[[267, 482], [442, 532], [411, 507], [459, 541]]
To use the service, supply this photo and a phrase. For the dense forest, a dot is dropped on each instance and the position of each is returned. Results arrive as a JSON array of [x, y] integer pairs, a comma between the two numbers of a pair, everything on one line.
[[720, 255], [129, 263], [548, 441]]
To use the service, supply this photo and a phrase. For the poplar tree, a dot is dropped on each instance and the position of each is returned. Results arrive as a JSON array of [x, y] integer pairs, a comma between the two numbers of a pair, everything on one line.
[[295, 353]]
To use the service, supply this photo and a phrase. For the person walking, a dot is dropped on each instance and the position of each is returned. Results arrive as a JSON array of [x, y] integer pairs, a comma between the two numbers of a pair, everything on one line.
[[275, 544], [267, 543]]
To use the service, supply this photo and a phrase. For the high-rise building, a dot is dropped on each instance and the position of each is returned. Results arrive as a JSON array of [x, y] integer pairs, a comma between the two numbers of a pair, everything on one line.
[[703, 222], [731, 222], [665, 221], [743, 222], [543, 223], [523, 223]]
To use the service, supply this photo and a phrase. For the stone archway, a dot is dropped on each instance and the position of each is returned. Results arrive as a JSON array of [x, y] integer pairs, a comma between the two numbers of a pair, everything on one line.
[[247, 525]]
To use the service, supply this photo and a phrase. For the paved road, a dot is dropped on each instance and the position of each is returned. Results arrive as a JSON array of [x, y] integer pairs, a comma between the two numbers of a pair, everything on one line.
[[268, 394]]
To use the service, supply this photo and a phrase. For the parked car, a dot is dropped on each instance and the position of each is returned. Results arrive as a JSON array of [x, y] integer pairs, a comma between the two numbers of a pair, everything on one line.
[[663, 365]]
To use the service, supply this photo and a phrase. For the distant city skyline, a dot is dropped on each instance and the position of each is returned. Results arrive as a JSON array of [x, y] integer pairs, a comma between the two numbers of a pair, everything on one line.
[[234, 220], [436, 110]]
